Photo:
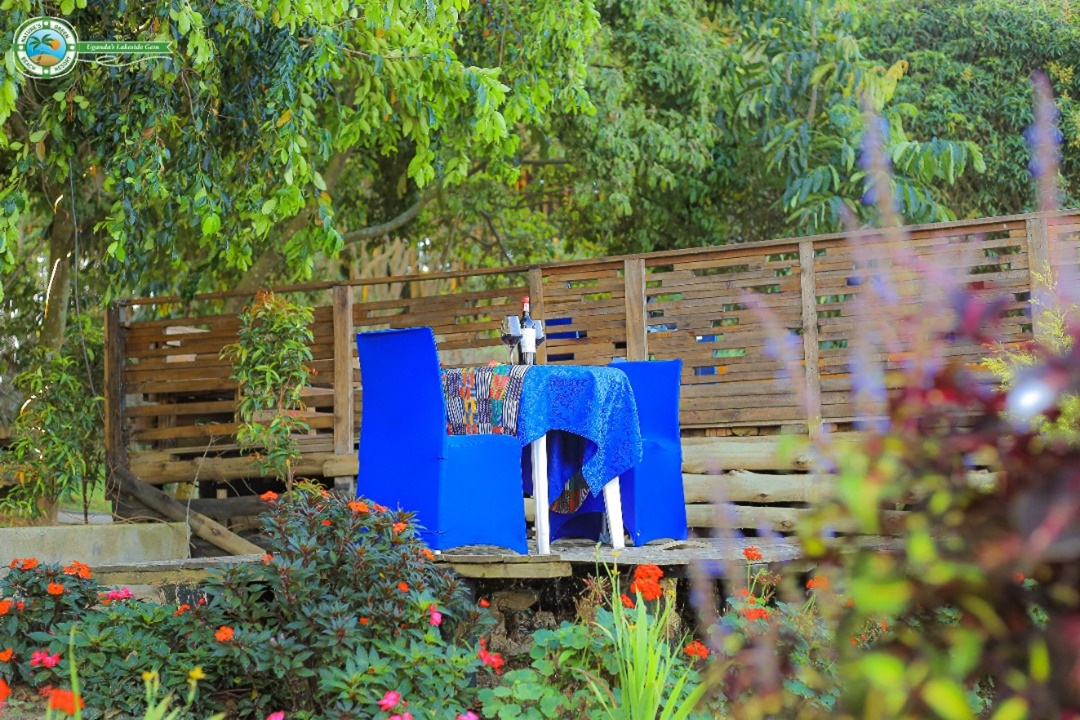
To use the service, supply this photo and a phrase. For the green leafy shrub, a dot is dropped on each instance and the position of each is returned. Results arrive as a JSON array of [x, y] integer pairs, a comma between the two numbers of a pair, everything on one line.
[[347, 606], [270, 366], [57, 449], [35, 601]]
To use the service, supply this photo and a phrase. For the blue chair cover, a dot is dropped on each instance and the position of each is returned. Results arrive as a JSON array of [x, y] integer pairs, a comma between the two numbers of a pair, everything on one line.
[[464, 489], [653, 501]]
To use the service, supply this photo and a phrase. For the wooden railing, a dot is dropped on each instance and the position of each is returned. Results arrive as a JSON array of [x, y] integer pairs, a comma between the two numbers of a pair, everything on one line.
[[171, 401]]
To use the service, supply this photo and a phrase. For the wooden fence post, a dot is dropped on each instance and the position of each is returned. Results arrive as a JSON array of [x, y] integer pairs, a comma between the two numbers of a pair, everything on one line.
[[536, 307], [1039, 273], [115, 449], [344, 341], [637, 343], [812, 370]]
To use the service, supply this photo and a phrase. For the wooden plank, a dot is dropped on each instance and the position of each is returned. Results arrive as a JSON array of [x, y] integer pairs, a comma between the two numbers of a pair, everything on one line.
[[812, 373], [704, 456], [1039, 275], [344, 342], [157, 471], [509, 570], [637, 346], [539, 309], [778, 519]]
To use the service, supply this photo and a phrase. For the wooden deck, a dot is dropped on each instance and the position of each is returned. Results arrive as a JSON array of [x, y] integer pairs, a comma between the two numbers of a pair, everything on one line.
[[490, 563]]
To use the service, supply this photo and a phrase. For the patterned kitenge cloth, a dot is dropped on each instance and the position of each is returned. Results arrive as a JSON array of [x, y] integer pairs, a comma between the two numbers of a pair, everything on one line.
[[483, 400], [588, 414]]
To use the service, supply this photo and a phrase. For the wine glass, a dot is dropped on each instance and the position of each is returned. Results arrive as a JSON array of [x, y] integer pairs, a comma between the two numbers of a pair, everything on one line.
[[510, 333]]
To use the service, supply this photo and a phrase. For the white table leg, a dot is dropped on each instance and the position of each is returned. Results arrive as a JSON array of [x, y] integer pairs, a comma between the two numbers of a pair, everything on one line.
[[540, 495], [613, 507]]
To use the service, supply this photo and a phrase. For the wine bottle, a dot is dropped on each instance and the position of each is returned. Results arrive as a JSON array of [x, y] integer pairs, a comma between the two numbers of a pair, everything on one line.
[[532, 335]]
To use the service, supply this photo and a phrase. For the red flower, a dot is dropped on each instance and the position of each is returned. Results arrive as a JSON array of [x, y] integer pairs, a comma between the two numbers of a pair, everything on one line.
[[269, 496], [399, 527], [648, 572], [65, 701], [626, 600], [44, 659], [820, 582], [884, 625], [650, 589], [5, 656], [224, 634], [78, 569], [5, 606], [55, 589], [494, 660], [267, 559], [5, 692], [403, 586], [364, 621], [325, 522], [20, 606], [181, 610], [755, 613], [696, 649], [751, 553], [483, 603]]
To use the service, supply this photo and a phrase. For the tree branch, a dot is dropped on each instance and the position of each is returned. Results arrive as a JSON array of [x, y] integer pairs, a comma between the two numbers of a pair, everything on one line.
[[391, 225]]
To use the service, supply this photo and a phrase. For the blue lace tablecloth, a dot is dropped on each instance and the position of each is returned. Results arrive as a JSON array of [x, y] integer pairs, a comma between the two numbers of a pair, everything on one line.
[[589, 412]]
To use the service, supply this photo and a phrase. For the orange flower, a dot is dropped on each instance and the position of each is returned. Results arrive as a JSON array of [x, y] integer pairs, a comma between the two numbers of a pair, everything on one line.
[[6, 655], [428, 554], [5, 691], [650, 589], [364, 621], [751, 553], [399, 527], [325, 494], [358, 507], [5, 606], [403, 586], [696, 649], [181, 610], [648, 572], [65, 701], [325, 522], [224, 634], [755, 613], [626, 600], [78, 569], [484, 602], [820, 582], [380, 508], [55, 589], [1018, 578], [269, 496], [267, 559], [884, 625], [29, 564]]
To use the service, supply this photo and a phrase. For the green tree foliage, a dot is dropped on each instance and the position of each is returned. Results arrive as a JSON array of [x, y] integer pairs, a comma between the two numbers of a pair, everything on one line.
[[971, 63], [199, 165]]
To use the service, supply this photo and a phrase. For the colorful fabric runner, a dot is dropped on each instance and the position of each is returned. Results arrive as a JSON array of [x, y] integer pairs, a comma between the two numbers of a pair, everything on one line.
[[483, 400]]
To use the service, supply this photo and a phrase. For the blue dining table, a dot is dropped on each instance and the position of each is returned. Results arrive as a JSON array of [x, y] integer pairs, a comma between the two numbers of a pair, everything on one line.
[[580, 423]]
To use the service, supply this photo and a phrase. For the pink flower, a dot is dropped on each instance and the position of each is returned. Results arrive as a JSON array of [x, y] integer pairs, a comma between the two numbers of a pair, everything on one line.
[[470, 715], [390, 700], [40, 657], [121, 594], [436, 616], [279, 715]]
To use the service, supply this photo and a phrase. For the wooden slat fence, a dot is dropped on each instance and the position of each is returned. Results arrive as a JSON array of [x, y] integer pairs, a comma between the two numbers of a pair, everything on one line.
[[171, 400]]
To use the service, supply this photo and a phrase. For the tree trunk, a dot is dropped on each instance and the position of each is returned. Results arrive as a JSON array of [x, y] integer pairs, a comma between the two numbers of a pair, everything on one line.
[[58, 294]]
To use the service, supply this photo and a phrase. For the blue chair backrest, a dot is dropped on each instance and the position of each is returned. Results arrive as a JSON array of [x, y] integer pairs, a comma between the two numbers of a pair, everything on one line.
[[403, 409], [656, 385]]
